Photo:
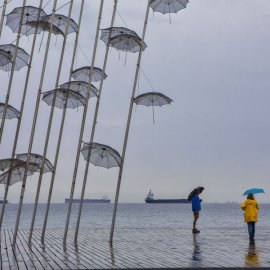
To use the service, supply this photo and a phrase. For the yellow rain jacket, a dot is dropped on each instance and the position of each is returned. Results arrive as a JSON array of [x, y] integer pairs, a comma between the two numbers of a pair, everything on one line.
[[251, 210]]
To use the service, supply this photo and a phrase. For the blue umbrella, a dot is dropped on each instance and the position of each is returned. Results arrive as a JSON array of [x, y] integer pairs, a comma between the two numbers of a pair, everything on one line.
[[253, 191]]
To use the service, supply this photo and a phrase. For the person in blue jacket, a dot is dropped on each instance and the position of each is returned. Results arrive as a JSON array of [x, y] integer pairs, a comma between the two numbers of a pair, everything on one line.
[[196, 208]]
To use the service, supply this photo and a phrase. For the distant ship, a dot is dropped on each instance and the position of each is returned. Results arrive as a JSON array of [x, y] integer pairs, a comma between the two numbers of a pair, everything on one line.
[[2, 201], [150, 199], [104, 199]]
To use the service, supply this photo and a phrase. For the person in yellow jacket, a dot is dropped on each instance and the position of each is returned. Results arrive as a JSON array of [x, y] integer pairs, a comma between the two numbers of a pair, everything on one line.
[[250, 206]]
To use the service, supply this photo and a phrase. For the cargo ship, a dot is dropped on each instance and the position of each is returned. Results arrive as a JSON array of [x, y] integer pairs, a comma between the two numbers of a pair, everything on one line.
[[2, 201], [104, 199], [150, 199]]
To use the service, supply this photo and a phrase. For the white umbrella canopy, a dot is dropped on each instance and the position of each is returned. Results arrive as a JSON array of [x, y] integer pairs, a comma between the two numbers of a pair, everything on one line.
[[45, 26], [16, 173], [11, 111], [81, 87], [5, 58], [21, 60], [101, 155], [7, 163], [61, 21], [83, 74], [168, 6], [115, 31], [29, 14], [62, 95], [127, 43], [36, 159]]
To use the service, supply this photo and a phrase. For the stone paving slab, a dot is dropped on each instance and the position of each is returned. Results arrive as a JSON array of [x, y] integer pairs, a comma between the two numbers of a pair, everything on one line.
[[153, 248]]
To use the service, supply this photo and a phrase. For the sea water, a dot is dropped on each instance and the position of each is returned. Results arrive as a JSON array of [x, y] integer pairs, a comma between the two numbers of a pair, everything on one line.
[[137, 215]]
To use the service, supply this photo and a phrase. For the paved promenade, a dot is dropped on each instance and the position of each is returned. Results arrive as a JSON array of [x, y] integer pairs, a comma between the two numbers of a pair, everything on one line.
[[137, 248]]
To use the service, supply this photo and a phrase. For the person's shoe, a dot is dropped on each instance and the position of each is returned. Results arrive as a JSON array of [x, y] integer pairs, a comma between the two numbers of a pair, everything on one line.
[[195, 231]]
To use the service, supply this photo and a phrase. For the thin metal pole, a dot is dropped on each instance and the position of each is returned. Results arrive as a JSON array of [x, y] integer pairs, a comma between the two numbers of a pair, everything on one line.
[[33, 127], [12, 72], [49, 124], [61, 129], [94, 125], [3, 15], [20, 115], [128, 125], [82, 125]]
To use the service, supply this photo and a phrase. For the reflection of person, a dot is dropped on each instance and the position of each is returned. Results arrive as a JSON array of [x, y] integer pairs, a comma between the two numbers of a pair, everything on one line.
[[250, 206], [252, 258], [196, 208], [196, 256]]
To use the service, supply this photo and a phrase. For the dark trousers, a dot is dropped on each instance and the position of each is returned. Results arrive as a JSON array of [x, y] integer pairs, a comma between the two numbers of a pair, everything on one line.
[[251, 229]]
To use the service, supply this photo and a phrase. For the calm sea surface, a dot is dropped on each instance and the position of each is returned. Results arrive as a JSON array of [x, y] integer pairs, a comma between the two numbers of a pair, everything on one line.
[[138, 215]]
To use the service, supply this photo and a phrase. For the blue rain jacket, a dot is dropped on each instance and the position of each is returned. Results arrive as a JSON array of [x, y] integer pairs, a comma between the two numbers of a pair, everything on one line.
[[196, 203]]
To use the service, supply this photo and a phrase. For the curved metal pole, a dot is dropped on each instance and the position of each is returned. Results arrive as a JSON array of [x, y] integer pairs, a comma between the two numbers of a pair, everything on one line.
[[94, 126], [61, 129], [20, 116], [33, 128], [49, 125], [82, 126], [3, 15], [12, 72], [128, 125]]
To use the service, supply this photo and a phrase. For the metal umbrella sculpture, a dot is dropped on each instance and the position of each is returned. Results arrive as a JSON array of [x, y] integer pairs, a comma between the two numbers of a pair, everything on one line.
[[64, 97], [127, 43], [90, 79], [4, 6], [11, 111], [168, 6], [85, 73], [129, 120], [81, 87], [20, 60], [17, 173], [29, 14], [45, 26], [41, 81], [101, 155], [5, 58], [36, 159], [108, 33], [66, 21], [6, 164], [22, 107], [152, 99]]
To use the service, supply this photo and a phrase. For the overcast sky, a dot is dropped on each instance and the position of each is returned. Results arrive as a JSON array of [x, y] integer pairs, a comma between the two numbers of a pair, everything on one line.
[[212, 60]]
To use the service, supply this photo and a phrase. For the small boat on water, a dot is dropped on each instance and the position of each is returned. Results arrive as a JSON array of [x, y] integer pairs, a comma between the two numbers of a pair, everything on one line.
[[150, 199], [104, 199]]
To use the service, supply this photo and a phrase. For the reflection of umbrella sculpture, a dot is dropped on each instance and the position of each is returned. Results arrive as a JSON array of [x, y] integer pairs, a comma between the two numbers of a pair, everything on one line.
[[61, 21], [194, 191], [45, 26], [115, 31], [127, 43], [101, 155], [152, 99], [81, 87], [11, 111], [16, 174], [37, 160], [83, 74], [5, 58], [30, 13], [168, 6], [73, 99], [21, 58], [253, 191]]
